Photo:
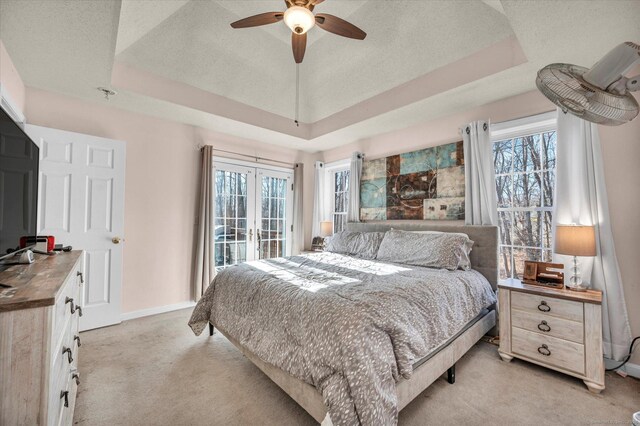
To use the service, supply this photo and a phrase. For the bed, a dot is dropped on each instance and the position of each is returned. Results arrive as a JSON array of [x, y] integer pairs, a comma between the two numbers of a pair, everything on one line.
[[353, 340]]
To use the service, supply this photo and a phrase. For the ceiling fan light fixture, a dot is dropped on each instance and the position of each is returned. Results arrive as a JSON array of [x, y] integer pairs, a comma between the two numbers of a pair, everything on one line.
[[299, 19]]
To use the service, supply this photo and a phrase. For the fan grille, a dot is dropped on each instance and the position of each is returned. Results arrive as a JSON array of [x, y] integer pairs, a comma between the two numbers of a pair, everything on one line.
[[564, 86]]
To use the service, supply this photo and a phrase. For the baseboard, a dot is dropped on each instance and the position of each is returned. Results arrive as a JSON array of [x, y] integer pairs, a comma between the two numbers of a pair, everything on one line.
[[157, 310], [631, 369]]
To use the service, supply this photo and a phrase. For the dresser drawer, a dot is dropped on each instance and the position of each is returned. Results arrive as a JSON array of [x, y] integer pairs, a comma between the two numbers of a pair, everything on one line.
[[61, 376], [59, 379], [65, 416], [62, 310], [560, 353], [548, 325], [548, 306]]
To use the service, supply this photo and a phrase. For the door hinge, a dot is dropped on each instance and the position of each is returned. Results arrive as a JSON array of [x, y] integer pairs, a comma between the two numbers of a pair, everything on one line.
[[292, 187], [291, 228]]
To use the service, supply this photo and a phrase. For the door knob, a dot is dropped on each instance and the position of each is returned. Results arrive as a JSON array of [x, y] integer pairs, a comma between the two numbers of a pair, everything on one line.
[[116, 240]]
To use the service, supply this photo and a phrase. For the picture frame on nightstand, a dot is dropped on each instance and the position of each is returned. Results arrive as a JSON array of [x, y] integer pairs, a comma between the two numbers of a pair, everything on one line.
[[530, 271]]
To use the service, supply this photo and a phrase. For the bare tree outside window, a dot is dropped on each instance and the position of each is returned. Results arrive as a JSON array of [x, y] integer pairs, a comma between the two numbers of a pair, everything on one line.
[[340, 199], [525, 178]]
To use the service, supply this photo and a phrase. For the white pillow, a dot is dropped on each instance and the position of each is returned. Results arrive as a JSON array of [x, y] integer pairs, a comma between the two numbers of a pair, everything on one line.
[[464, 262], [449, 250]]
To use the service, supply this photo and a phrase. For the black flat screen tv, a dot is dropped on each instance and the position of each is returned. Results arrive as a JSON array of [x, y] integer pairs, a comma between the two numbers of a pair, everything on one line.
[[19, 157]]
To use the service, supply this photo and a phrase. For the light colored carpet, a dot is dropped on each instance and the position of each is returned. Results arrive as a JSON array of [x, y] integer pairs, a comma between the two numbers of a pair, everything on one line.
[[154, 371]]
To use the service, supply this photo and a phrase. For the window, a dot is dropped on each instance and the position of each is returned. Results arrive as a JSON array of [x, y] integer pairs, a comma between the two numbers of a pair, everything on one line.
[[525, 163], [336, 193], [340, 199]]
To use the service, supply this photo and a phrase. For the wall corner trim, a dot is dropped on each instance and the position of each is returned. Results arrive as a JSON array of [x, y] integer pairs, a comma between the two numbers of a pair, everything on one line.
[[156, 310], [7, 103]]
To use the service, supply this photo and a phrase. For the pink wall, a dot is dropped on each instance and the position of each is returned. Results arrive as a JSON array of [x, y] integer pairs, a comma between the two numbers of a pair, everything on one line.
[[620, 154], [10, 79], [160, 189]]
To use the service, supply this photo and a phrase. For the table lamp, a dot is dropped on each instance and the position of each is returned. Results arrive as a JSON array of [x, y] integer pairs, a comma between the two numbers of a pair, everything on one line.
[[575, 240], [326, 228]]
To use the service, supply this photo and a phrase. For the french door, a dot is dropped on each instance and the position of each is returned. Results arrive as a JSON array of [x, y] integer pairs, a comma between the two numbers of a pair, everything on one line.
[[253, 213]]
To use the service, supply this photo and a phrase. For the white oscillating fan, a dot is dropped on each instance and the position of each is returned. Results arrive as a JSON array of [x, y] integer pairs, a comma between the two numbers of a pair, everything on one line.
[[600, 94]]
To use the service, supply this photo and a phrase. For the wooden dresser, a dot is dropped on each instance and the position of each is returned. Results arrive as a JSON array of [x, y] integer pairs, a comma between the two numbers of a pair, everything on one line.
[[39, 340], [556, 328]]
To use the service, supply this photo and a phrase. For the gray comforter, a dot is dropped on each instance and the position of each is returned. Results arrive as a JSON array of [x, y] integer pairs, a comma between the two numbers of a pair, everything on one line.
[[350, 327]]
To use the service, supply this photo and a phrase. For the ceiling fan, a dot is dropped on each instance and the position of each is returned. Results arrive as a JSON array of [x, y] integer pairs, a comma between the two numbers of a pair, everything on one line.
[[300, 18]]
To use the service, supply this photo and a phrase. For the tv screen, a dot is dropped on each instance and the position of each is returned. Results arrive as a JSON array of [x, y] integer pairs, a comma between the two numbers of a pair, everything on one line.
[[19, 157]]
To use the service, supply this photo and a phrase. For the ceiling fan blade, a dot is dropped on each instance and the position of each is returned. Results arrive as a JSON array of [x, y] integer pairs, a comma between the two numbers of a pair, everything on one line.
[[257, 20], [316, 2], [299, 44], [335, 25]]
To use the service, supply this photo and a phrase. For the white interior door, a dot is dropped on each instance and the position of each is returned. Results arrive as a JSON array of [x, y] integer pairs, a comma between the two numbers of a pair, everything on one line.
[[81, 193]]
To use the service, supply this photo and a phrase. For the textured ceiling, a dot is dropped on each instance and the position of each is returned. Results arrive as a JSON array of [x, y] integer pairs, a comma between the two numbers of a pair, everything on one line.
[[242, 82], [254, 66]]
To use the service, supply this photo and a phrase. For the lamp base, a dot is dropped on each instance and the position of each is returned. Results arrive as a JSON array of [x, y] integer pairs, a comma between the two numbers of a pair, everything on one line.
[[575, 282]]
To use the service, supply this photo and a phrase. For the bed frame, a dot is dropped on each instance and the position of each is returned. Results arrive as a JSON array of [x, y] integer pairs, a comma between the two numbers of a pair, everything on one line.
[[484, 259]]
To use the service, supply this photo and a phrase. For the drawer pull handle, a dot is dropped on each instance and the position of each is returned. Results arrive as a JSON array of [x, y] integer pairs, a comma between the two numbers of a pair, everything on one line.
[[70, 300], [543, 326], [76, 377], [544, 350], [81, 275], [544, 307], [68, 352], [77, 338], [79, 309], [65, 395]]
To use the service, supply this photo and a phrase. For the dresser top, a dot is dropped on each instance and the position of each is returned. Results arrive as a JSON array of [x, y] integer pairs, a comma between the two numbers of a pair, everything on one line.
[[37, 284], [588, 296]]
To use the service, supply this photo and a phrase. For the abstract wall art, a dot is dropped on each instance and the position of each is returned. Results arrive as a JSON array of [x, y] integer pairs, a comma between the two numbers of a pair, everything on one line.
[[425, 184]]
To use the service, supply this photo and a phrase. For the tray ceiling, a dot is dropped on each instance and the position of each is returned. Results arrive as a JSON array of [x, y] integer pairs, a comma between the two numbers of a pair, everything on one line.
[[180, 59]]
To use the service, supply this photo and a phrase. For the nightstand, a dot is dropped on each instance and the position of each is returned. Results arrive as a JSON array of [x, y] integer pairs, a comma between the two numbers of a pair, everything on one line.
[[557, 328]]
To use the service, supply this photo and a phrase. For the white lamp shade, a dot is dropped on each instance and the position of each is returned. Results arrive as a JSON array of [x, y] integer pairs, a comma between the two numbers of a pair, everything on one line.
[[299, 19], [575, 240], [326, 228]]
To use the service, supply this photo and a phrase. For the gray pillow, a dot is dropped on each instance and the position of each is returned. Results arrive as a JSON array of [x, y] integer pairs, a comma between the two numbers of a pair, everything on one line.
[[435, 250], [359, 244]]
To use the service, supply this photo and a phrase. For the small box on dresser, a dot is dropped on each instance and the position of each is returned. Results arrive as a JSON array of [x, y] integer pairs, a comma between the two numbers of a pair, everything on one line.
[[39, 340], [557, 328]]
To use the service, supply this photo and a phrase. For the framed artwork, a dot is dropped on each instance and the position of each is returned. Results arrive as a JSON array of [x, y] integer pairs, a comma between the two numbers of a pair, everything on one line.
[[427, 184]]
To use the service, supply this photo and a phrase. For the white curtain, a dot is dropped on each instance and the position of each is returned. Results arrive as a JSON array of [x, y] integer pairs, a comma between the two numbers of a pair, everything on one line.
[[480, 177], [204, 262], [355, 171], [298, 221], [581, 198], [318, 199]]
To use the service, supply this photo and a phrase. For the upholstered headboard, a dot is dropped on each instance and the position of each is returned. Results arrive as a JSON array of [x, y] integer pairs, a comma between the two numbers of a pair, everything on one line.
[[484, 256]]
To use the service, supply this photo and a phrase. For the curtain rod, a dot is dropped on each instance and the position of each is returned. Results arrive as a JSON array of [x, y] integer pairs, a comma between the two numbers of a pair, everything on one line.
[[255, 157]]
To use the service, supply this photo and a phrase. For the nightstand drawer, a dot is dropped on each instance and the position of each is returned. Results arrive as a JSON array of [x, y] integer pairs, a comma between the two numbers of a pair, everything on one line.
[[547, 306], [548, 350], [548, 325]]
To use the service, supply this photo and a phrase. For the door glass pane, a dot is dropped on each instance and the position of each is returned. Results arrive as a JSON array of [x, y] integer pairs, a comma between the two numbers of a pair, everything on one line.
[[273, 217], [230, 219]]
